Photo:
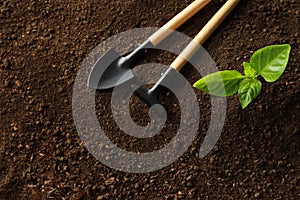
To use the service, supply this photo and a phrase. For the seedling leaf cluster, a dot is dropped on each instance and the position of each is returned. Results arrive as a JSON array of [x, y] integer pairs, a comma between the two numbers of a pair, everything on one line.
[[268, 62]]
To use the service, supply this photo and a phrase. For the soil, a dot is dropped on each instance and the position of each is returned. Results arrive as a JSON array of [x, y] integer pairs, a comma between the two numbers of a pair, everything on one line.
[[42, 45]]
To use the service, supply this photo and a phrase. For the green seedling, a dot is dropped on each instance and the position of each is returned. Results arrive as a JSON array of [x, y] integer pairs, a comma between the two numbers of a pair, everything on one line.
[[268, 62]]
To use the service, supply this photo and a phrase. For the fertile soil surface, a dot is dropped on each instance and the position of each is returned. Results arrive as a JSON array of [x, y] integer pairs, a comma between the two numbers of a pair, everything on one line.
[[42, 45]]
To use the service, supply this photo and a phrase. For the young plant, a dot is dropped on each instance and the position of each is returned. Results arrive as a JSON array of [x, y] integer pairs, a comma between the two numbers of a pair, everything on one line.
[[268, 62]]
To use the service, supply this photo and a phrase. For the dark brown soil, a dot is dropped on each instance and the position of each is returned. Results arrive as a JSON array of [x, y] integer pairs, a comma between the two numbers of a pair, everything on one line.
[[42, 45]]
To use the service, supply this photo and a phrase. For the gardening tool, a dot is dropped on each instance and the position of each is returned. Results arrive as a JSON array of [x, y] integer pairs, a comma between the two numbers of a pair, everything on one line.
[[150, 96], [115, 69]]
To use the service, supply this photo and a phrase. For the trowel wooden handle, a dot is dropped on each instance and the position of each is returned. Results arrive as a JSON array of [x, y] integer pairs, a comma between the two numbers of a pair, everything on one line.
[[177, 21], [204, 34]]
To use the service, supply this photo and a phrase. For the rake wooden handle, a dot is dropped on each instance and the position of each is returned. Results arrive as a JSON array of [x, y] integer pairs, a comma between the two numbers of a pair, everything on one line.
[[204, 34], [177, 21]]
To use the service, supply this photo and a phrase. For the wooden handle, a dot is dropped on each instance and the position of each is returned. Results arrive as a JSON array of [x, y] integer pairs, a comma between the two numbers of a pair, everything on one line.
[[177, 21], [204, 34]]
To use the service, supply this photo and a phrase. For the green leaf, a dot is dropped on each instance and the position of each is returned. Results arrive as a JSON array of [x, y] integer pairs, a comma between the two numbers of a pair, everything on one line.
[[270, 62], [248, 90], [248, 70], [222, 83]]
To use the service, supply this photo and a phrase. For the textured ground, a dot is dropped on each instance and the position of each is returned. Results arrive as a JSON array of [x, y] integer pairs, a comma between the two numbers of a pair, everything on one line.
[[42, 45]]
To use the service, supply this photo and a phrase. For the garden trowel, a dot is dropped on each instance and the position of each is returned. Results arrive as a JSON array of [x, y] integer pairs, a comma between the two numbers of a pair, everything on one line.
[[116, 69]]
